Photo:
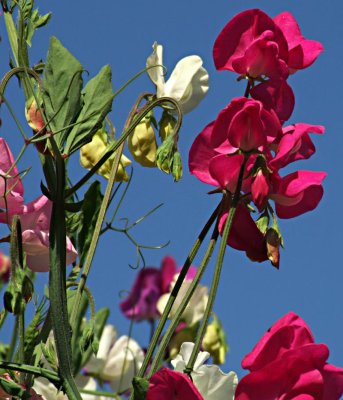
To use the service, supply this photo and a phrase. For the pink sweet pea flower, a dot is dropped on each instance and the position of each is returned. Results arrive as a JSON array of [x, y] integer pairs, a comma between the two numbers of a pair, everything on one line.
[[150, 284], [287, 364], [252, 44], [301, 52], [171, 385], [244, 124], [11, 189], [35, 222]]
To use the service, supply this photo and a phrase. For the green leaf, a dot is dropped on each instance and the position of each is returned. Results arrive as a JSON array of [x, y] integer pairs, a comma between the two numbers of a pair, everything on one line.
[[27, 8], [13, 389], [62, 85], [97, 97], [42, 20], [90, 210]]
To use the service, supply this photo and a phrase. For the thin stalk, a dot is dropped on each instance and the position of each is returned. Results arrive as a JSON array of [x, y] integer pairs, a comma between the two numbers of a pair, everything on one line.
[[101, 216], [193, 252], [185, 301], [45, 373], [217, 272]]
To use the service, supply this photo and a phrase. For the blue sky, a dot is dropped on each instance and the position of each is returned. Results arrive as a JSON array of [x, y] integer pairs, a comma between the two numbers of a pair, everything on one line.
[[251, 296]]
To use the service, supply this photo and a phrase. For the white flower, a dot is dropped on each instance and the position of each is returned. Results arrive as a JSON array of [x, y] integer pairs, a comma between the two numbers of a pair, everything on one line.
[[117, 361], [211, 382], [49, 392], [195, 309], [188, 83]]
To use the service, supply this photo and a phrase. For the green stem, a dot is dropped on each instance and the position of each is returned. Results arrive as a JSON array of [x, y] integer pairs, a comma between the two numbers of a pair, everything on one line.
[[57, 281], [29, 369], [101, 393], [217, 272], [175, 291], [13, 340], [185, 301]]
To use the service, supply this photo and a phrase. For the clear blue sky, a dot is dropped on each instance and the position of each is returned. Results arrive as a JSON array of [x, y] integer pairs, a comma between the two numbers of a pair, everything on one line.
[[251, 296]]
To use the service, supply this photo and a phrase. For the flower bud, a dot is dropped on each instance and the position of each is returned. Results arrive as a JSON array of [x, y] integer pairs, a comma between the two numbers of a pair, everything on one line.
[[273, 242], [142, 143], [177, 166], [214, 341], [33, 116], [167, 125], [165, 154], [91, 153], [27, 289]]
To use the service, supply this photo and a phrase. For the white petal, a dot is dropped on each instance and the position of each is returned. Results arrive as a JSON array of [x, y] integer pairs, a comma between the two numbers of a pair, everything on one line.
[[213, 384], [188, 82], [123, 363], [180, 361], [156, 74]]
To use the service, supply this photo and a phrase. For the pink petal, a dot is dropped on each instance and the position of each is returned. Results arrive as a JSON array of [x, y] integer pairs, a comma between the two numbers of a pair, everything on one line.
[[225, 170], [240, 33], [302, 52], [168, 270], [333, 382], [276, 95], [295, 144], [143, 297], [298, 193], [245, 235], [289, 332], [200, 155], [172, 385]]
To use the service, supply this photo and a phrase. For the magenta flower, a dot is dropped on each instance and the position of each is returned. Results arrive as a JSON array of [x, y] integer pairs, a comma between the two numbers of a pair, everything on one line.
[[244, 124], [150, 284], [35, 222], [301, 52], [171, 385], [11, 188], [252, 44], [287, 364]]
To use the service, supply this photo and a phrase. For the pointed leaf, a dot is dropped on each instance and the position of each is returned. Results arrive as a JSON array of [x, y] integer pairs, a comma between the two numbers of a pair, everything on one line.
[[97, 99], [62, 85]]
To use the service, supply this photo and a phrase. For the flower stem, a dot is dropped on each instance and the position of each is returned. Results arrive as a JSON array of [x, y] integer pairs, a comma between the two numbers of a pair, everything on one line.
[[185, 301], [217, 272], [175, 291]]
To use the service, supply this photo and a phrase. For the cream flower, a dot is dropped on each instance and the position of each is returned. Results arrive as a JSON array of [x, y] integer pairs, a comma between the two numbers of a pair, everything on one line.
[[117, 360], [188, 83], [210, 380]]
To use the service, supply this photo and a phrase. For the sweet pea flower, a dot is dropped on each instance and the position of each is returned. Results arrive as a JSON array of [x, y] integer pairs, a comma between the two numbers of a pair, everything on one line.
[[151, 283], [117, 360], [5, 267], [35, 223], [252, 44], [287, 364], [91, 153], [11, 188], [188, 83], [244, 124], [171, 385], [212, 383]]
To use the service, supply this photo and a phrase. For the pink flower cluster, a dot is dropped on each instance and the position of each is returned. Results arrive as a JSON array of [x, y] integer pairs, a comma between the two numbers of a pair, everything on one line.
[[34, 216], [265, 52]]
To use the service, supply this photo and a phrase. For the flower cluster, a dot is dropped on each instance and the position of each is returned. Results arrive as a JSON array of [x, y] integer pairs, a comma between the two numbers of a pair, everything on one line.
[[249, 133], [34, 216]]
